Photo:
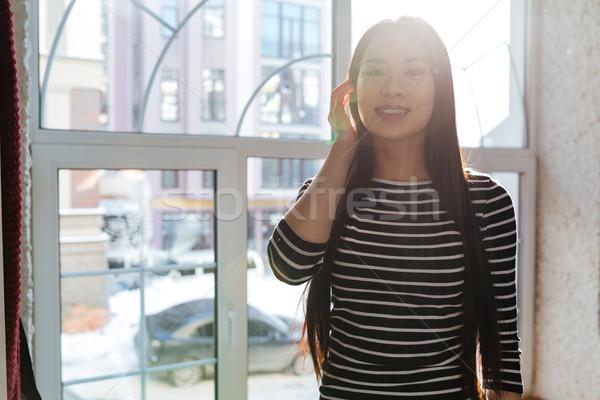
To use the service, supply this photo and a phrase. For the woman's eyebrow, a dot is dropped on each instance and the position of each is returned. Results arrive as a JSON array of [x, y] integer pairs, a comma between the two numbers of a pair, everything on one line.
[[375, 60]]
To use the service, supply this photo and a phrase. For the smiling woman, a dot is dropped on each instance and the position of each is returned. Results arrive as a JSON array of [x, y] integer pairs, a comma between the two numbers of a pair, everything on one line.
[[413, 279]]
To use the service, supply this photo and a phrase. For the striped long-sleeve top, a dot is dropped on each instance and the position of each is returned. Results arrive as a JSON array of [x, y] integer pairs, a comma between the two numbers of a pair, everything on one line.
[[397, 286]]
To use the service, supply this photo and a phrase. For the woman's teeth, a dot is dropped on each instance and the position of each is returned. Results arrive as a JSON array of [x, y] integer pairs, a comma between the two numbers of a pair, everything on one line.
[[392, 111]]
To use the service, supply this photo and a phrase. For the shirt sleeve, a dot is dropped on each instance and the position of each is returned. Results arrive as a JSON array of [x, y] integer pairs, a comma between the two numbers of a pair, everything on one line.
[[500, 242], [293, 259]]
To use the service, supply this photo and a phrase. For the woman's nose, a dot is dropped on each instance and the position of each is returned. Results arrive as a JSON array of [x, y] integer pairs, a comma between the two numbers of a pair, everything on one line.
[[392, 88]]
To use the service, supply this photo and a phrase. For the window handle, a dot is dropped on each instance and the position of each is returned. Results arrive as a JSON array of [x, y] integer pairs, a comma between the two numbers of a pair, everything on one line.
[[232, 317]]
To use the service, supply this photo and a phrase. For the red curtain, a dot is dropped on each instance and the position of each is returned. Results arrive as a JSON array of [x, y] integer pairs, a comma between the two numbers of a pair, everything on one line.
[[11, 197]]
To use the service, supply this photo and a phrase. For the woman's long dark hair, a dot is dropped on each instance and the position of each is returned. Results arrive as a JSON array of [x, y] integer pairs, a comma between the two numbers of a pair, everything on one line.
[[449, 177]]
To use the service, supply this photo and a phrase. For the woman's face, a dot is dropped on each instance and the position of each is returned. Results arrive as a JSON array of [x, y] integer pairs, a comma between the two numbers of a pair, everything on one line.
[[395, 89]]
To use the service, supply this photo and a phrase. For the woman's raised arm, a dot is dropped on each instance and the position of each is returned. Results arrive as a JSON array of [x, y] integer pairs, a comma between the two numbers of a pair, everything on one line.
[[312, 215]]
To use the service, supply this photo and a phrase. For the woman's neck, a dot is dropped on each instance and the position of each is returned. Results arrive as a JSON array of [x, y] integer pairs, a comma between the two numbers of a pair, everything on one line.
[[401, 160]]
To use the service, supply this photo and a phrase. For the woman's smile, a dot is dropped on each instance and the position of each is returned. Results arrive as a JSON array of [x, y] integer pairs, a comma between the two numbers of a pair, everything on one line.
[[392, 112]]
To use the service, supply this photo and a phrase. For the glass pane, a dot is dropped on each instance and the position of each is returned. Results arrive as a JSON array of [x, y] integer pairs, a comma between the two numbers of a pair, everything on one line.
[[274, 327], [214, 19], [160, 386], [119, 388], [98, 328], [170, 67], [180, 328], [137, 266], [477, 34]]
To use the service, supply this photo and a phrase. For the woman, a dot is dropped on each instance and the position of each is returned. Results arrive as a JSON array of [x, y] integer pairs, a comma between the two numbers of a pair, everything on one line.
[[414, 274]]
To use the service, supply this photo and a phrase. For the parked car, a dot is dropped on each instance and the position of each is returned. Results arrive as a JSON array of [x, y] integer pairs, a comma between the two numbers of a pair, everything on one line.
[[186, 332]]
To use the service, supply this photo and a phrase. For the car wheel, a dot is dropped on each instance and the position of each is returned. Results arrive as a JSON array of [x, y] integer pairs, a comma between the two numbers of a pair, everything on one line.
[[187, 376]]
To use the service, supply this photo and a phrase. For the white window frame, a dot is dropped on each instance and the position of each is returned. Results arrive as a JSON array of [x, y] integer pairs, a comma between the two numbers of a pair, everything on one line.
[[53, 150]]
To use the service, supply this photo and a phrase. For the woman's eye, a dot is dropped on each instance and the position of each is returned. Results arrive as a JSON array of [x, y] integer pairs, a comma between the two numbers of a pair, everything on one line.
[[415, 72], [374, 72]]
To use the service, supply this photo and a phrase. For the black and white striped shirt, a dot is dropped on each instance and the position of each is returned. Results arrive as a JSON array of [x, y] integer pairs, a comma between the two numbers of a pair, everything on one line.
[[397, 287]]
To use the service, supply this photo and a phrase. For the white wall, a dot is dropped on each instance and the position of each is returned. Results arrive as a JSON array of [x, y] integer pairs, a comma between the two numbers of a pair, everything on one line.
[[566, 73]]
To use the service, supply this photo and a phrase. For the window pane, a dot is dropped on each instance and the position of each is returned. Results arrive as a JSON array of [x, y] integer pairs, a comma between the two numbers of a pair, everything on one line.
[[487, 82], [170, 17], [181, 331], [274, 326], [311, 31], [169, 91], [169, 179], [270, 31], [156, 389], [290, 99], [92, 309], [137, 279], [118, 68], [120, 388], [213, 95], [214, 19]]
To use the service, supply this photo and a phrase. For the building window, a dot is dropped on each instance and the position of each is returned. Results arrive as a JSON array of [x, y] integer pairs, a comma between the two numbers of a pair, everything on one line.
[[310, 31], [213, 21], [290, 97], [213, 94], [289, 30], [287, 173], [188, 238], [169, 14], [169, 104], [208, 179], [170, 179]]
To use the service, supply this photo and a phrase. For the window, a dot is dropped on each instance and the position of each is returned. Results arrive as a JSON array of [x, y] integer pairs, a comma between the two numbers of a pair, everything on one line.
[[170, 179], [55, 10], [289, 30], [188, 237], [113, 268], [169, 100], [169, 13], [287, 173], [208, 179], [135, 70], [214, 19], [160, 182], [213, 94], [291, 97]]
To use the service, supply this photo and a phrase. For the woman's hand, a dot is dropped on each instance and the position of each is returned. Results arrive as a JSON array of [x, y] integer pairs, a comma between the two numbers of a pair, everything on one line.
[[312, 215], [339, 119]]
